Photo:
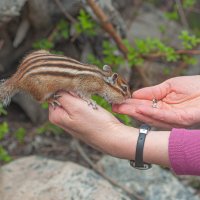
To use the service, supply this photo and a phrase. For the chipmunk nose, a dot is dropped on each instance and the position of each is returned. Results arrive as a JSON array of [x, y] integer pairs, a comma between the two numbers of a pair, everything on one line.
[[129, 94]]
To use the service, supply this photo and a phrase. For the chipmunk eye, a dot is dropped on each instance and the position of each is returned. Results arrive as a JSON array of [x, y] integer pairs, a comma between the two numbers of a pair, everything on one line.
[[124, 88]]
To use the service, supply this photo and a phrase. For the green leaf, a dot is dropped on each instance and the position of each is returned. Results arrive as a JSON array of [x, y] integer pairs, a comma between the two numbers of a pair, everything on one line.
[[189, 41], [85, 24], [189, 3], [20, 134], [45, 105], [111, 54], [172, 15], [3, 130], [48, 127], [94, 61], [63, 29], [4, 156], [43, 44], [2, 110], [103, 103]]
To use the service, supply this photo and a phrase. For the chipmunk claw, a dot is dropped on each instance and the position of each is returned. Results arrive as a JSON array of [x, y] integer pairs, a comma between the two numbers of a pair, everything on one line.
[[93, 104], [53, 101], [89, 101]]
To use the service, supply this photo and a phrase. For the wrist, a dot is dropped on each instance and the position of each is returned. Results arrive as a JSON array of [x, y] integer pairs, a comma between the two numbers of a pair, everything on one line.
[[124, 143], [125, 140]]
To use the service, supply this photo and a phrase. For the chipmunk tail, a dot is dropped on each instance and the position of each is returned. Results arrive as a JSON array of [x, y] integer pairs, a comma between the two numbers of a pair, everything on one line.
[[7, 90]]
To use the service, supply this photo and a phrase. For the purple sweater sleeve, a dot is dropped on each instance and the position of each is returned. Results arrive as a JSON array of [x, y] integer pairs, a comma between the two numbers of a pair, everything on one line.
[[184, 151]]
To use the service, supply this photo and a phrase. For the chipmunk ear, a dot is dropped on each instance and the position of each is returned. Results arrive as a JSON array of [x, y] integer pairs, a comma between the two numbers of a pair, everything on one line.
[[112, 79], [107, 68]]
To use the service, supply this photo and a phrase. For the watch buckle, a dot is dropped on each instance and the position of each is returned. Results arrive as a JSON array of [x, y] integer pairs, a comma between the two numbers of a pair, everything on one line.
[[144, 167]]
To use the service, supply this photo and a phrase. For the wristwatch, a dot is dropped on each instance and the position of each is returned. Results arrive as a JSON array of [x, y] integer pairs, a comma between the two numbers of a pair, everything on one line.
[[138, 162]]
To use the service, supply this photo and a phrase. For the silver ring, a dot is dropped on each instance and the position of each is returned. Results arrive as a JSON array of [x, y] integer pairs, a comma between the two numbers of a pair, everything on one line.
[[154, 103]]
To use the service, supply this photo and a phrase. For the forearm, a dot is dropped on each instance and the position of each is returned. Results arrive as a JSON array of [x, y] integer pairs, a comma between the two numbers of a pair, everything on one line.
[[155, 147]]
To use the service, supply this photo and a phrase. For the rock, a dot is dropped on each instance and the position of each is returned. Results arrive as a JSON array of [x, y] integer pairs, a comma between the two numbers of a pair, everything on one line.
[[149, 22], [36, 178], [153, 184], [10, 9]]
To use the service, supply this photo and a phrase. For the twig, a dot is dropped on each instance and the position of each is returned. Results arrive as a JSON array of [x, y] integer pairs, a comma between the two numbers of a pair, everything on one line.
[[52, 34], [67, 15], [179, 69], [99, 171], [108, 27], [180, 52], [181, 13]]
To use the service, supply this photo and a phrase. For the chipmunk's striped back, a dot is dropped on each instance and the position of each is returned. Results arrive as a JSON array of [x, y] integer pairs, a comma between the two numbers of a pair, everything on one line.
[[44, 63]]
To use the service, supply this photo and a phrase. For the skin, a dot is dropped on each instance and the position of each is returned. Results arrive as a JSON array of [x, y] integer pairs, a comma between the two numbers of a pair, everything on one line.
[[178, 106], [101, 130], [178, 103]]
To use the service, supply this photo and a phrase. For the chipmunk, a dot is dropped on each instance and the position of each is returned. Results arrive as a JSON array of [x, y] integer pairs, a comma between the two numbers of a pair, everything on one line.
[[42, 75]]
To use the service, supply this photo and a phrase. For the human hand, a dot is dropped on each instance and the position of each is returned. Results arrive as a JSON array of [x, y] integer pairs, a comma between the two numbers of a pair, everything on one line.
[[178, 103], [98, 128]]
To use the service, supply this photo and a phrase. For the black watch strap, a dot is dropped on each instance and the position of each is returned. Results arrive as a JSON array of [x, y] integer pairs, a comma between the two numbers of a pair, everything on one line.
[[138, 162]]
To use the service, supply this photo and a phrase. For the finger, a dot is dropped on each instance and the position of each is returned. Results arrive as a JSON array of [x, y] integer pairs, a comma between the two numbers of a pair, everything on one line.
[[70, 102], [130, 105], [172, 116], [58, 115], [131, 110], [158, 91]]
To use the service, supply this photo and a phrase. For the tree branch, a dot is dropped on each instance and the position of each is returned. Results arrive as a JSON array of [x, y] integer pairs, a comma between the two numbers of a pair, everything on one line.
[[179, 52], [66, 14], [108, 27], [182, 14]]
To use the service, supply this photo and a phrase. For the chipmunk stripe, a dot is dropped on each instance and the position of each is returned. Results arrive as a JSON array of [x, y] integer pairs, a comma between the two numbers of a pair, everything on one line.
[[56, 59], [43, 57], [65, 66], [60, 74], [59, 68]]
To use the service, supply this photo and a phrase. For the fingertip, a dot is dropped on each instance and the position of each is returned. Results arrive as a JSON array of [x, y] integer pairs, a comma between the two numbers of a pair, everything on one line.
[[115, 107], [66, 98]]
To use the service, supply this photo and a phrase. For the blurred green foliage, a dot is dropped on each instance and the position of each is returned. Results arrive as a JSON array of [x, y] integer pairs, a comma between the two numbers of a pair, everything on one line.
[[189, 3], [48, 127], [103, 103], [43, 44], [4, 156], [20, 134], [85, 24], [189, 41], [4, 129], [2, 110]]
